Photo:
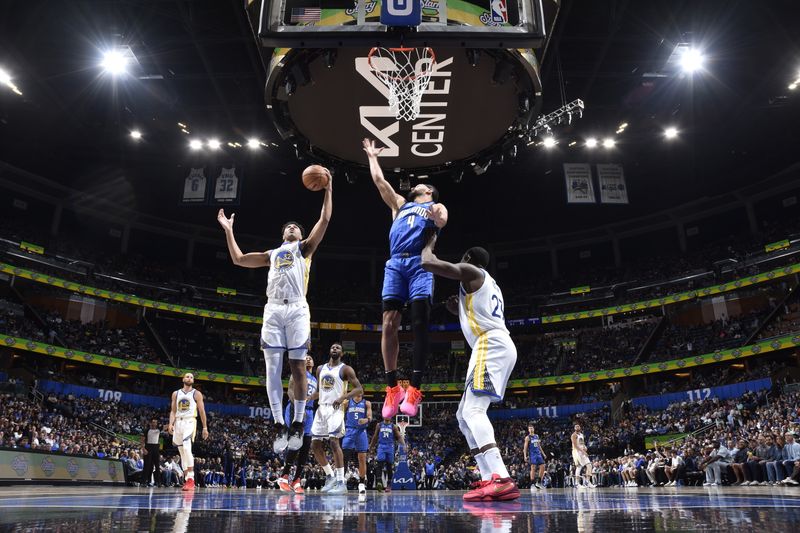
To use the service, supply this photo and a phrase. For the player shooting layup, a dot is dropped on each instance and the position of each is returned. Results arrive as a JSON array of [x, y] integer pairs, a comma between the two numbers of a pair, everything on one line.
[[186, 404], [287, 320], [479, 306], [404, 281]]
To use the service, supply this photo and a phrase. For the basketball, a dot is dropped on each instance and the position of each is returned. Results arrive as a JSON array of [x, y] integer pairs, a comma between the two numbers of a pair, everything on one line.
[[315, 177]]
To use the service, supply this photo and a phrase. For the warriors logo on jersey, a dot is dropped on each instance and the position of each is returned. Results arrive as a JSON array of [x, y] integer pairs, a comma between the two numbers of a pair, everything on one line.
[[328, 383], [284, 260], [183, 405]]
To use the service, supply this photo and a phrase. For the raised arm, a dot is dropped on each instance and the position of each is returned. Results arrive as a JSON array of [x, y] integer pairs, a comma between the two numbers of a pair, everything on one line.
[[201, 409], [390, 197], [250, 260], [463, 272], [318, 231]]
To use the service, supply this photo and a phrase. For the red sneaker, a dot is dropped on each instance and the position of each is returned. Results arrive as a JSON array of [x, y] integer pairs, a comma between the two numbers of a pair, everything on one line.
[[297, 487], [394, 395], [283, 484], [189, 485], [411, 402], [498, 489]]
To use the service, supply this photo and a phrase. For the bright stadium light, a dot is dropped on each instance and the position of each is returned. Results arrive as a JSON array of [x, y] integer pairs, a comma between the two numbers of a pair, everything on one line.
[[214, 144], [549, 142], [5, 79], [692, 60], [609, 142], [194, 144], [136, 135], [114, 62], [670, 133], [253, 143], [591, 142]]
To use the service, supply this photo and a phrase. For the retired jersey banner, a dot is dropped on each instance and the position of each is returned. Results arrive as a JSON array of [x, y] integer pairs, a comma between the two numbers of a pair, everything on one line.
[[579, 183], [227, 187], [612, 184], [194, 186]]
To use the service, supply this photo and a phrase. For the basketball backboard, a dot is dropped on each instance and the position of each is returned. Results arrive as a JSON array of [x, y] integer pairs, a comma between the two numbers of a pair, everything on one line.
[[342, 23]]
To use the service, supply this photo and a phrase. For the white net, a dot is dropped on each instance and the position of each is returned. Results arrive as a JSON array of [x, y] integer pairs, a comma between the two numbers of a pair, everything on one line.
[[406, 73]]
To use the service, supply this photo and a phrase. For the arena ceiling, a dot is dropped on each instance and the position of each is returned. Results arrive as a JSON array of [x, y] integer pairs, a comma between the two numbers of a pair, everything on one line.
[[196, 63]]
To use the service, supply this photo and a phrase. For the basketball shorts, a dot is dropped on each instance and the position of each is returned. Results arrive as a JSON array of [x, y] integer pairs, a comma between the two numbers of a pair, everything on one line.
[[328, 422], [580, 458], [537, 460], [490, 364], [287, 327], [308, 420], [385, 454], [184, 429], [356, 439], [405, 280]]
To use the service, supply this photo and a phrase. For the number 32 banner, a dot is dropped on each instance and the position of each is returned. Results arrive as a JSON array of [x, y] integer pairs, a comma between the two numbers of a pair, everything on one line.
[[227, 187]]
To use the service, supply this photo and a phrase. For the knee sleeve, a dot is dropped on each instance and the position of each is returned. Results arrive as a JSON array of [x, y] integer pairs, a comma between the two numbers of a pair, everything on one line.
[[187, 458], [474, 414], [273, 361]]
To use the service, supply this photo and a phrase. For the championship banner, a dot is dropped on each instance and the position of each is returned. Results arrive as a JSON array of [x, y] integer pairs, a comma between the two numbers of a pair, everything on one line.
[[194, 186], [578, 177], [17, 465], [780, 245], [227, 187], [612, 184]]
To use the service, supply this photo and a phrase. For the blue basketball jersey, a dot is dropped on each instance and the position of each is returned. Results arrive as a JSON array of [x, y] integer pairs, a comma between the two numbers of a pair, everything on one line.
[[407, 235], [355, 412], [312, 388], [386, 435], [533, 446]]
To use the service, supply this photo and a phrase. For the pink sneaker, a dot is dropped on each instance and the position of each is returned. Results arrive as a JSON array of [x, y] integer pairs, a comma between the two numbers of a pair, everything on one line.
[[394, 395], [411, 403]]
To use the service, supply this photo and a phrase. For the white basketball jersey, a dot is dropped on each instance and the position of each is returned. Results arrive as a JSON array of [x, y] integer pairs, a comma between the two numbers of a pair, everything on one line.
[[331, 386], [288, 273], [186, 407], [579, 440], [482, 310]]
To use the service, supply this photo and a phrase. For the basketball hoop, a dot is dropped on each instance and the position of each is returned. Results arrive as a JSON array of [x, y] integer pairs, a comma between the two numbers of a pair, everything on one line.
[[406, 73]]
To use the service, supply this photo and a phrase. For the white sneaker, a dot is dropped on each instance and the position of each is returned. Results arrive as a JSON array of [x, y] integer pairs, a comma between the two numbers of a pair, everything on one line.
[[763, 483], [706, 484], [362, 489], [280, 444], [330, 481], [792, 482], [339, 487]]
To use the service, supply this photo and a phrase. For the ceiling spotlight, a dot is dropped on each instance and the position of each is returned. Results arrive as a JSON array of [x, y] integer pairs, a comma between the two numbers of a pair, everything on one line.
[[195, 144], [253, 143], [609, 142], [549, 142], [670, 133], [136, 134], [573, 143], [5, 79], [182, 125], [213, 144], [591, 142], [692, 60], [793, 86], [114, 62]]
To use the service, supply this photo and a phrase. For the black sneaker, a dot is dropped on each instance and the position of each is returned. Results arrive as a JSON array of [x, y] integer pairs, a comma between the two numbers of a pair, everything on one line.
[[295, 436], [279, 446]]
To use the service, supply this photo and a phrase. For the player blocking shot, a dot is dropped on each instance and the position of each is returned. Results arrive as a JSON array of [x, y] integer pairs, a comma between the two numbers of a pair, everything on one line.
[[533, 452], [405, 281], [385, 435], [357, 415], [479, 306], [299, 458], [329, 419], [186, 404], [287, 320]]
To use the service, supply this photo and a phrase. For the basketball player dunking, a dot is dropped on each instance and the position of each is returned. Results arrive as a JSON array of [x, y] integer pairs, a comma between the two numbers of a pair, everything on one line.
[[479, 306], [287, 321], [186, 404], [329, 419], [299, 458], [357, 416], [580, 457], [405, 281]]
